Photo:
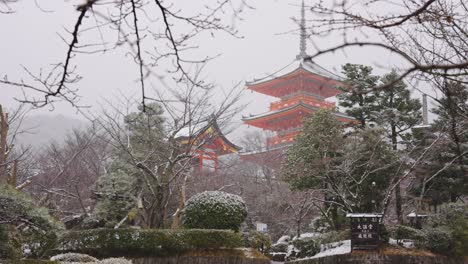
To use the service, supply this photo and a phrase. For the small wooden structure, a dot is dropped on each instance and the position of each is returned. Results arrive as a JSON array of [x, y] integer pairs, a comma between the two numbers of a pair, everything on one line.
[[416, 220], [365, 231]]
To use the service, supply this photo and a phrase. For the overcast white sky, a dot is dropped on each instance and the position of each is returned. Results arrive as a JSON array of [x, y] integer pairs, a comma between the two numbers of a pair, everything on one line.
[[29, 38]]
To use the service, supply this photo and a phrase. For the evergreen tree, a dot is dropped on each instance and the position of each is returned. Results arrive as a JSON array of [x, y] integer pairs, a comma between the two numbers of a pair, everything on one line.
[[358, 96], [117, 196], [442, 176], [142, 152], [352, 171], [396, 110]]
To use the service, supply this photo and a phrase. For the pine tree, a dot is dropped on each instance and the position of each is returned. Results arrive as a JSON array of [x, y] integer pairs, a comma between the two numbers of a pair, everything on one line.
[[442, 176], [358, 96], [453, 123], [351, 170], [397, 112]]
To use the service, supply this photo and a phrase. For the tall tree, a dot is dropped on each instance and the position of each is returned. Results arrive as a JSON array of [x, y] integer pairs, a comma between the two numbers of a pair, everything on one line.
[[395, 109], [351, 171], [397, 112], [358, 96]]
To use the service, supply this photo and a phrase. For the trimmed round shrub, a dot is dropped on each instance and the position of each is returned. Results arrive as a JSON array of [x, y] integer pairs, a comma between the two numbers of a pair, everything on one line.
[[73, 257], [215, 210]]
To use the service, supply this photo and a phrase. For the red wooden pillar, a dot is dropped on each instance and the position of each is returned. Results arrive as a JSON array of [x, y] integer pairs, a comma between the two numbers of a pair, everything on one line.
[[200, 164], [215, 164]]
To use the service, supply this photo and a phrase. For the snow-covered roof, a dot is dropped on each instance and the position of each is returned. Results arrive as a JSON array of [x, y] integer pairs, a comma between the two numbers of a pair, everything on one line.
[[265, 150], [301, 63], [197, 129], [292, 107], [364, 215], [413, 214], [192, 129]]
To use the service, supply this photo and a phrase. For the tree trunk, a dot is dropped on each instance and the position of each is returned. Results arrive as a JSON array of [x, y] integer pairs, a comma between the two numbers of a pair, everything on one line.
[[398, 200], [3, 145]]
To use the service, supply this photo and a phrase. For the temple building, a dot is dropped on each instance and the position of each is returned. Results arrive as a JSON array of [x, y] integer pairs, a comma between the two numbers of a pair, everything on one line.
[[208, 143], [302, 88]]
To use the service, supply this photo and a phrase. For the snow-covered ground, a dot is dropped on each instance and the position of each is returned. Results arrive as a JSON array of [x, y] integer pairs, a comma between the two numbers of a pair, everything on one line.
[[406, 243], [336, 248]]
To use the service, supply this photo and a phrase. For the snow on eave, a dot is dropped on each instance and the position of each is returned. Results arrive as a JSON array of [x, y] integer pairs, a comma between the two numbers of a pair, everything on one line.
[[300, 103], [303, 63], [413, 214], [351, 215]]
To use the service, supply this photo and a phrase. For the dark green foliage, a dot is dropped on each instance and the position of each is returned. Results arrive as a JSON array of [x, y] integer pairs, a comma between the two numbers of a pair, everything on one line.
[[260, 241], [146, 242], [18, 208], [407, 232], [214, 210], [10, 243], [355, 169], [357, 96], [308, 159], [279, 247], [437, 240], [117, 196], [335, 236], [306, 247], [39, 244], [396, 110], [29, 261], [453, 219], [38, 232]]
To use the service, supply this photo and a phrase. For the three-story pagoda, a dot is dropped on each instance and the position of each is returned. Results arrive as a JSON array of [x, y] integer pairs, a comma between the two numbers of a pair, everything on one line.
[[302, 88]]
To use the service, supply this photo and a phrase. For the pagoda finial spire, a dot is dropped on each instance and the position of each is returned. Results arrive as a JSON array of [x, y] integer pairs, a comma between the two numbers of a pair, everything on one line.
[[303, 35]]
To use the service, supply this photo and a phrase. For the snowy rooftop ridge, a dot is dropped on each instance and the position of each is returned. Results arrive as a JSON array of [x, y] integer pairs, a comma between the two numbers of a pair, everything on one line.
[[364, 215], [302, 63]]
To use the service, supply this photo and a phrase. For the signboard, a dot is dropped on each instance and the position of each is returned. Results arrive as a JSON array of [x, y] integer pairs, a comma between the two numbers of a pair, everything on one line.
[[365, 230], [261, 227]]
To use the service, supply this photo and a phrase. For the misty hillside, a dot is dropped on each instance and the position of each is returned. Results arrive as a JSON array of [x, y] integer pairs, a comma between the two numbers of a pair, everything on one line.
[[41, 129]]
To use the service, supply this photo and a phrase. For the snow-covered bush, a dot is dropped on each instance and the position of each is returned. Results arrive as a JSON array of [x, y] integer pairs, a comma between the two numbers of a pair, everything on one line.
[[279, 247], [146, 242], [405, 232], [437, 240], [306, 247], [73, 257], [38, 230], [215, 210], [76, 258], [115, 261]]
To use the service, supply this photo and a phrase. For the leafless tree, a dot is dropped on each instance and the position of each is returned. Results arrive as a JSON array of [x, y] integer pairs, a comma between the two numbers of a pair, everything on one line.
[[159, 36], [165, 162], [10, 154], [429, 35], [64, 173]]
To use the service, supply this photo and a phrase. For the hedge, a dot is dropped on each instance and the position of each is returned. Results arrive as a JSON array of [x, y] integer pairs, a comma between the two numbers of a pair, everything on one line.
[[145, 242]]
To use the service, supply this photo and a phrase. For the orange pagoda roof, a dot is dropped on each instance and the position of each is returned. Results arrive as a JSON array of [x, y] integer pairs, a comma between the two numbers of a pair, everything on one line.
[[210, 136], [291, 116], [306, 77]]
